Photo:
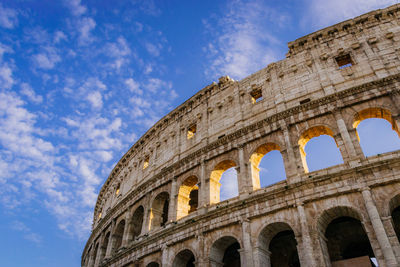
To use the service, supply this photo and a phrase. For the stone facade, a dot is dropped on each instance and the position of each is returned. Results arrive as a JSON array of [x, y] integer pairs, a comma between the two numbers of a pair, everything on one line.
[[160, 205]]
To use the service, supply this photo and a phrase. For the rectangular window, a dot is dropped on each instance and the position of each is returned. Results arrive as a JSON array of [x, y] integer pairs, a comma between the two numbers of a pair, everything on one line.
[[344, 61], [117, 191], [146, 163], [191, 131], [256, 95]]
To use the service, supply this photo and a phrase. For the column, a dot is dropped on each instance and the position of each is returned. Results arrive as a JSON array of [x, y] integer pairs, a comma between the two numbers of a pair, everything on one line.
[[345, 135], [146, 215], [164, 256], [90, 262], [379, 230], [127, 230], [172, 201], [201, 256], [291, 164], [110, 240], [204, 196], [306, 243], [246, 254], [389, 229], [245, 182], [98, 255], [262, 257]]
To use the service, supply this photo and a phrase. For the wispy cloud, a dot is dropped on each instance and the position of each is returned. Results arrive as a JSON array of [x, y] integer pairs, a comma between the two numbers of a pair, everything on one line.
[[242, 43], [47, 58], [27, 232], [325, 13], [8, 17], [27, 91], [229, 184]]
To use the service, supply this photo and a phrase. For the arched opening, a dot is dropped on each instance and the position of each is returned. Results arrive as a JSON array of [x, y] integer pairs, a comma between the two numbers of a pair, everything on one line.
[[187, 197], [394, 206], [159, 211], [104, 246], [318, 149], [345, 240], [267, 165], [225, 252], [185, 258], [153, 264], [223, 174], [377, 131], [118, 235], [277, 246], [96, 248], [137, 222]]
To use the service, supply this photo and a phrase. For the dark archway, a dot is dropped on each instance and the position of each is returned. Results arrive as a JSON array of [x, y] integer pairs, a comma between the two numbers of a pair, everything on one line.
[[118, 235], [185, 258], [348, 242], [225, 252], [153, 264], [283, 248], [159, 210], [137, 222]]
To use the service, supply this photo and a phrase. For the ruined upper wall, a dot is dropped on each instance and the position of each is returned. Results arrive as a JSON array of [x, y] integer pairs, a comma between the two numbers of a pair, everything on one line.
[[310, 71]]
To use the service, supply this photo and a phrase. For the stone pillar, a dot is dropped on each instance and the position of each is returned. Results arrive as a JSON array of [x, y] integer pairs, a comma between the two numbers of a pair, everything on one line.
[[291, 166], [214, 263], [345, 135], [245, 183], [146, 216], [379, 230], [172, 201], [164, 256], [306, 244], [127, 230], [98, 255], [201, 259], [394, 241], [262, 257], [110, 240], [247, 254], [204, 196], [90, 262]]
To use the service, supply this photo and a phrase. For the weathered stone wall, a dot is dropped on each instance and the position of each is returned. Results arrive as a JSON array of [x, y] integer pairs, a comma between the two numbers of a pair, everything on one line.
[[303, 96]]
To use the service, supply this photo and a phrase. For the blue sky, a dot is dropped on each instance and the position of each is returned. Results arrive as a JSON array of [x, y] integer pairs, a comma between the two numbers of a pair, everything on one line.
[[80, 81]]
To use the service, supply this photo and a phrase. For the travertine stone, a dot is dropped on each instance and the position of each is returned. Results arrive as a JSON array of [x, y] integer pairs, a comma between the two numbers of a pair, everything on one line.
[[305, 95]]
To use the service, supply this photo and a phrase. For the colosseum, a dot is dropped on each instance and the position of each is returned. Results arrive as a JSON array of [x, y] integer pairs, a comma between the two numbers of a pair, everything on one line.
[[160, 206]]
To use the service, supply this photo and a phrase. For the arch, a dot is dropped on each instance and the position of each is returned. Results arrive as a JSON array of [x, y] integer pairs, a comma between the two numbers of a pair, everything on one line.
[[225, 252], [96, 249], [159, 211], [387, 141], [103, 248], [394, 206], [153, 264], [137, 222], [187, 197], [307, 135], [255, 160], [343, 237], [118, 235], [215, 177], [185, 258], [277, 246]]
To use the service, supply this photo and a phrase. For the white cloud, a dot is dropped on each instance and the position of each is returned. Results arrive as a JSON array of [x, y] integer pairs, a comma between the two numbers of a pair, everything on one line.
[[8, 17], [229, 185], [27, 232], [59, 36], [6, 79], [242, 43], [27, 91], [153, 49], [119, 51], [47, 58], [95, 98], [75, 7], [321, 13], [133, 86], [85, 26], [155, 84]]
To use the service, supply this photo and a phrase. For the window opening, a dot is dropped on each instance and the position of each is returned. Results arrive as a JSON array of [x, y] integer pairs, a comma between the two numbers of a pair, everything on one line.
[[146, 163], [305, 101], [256, 95], [191, 131], [344, 61], [117, 190]]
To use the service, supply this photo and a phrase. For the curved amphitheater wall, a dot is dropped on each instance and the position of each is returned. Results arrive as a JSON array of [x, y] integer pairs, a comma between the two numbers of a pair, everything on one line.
[[160, 205]]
